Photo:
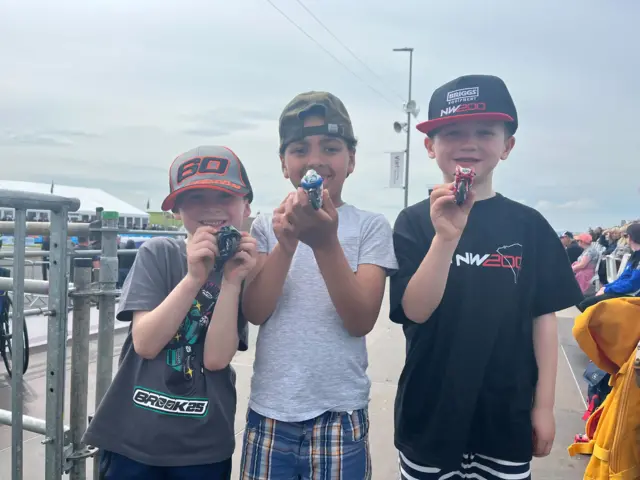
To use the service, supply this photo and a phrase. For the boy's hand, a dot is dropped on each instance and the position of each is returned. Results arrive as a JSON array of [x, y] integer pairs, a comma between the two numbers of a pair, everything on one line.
[[202, 250], [316, 228], [448, 218], [544, 430], [238, 267], [285, 232]]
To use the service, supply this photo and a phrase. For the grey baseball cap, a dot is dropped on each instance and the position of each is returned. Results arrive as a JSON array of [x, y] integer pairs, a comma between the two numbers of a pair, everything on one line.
[[337, 121], [207, 167]]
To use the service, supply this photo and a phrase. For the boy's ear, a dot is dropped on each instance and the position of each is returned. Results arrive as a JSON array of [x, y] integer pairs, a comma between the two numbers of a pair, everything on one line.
[[247, 209], [508, 146], [284, 167], [352, 162], [428, 143], [176, 215]]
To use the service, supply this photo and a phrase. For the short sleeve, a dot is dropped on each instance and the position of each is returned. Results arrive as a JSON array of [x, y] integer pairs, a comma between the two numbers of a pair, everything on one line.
[[555, 285], [376, 245], [260, 233], [146, 285], [410, 249]]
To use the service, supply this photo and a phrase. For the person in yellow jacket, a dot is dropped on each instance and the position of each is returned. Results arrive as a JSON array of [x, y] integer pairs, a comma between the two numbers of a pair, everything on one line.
[[609, 333]]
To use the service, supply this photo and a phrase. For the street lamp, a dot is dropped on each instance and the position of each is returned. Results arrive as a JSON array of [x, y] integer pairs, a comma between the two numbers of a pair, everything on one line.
[[410, 108]]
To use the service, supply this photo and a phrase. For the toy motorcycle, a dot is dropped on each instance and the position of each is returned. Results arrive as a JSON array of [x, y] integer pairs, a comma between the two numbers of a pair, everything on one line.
[[228, 240], [312, 184], [463, 182]]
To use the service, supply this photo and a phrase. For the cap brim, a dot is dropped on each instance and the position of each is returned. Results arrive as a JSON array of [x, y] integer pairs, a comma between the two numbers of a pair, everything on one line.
[[169, 203], [431, 125]]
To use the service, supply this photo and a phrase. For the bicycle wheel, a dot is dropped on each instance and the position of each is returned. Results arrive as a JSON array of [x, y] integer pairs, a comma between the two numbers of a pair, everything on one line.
[[6, 340]]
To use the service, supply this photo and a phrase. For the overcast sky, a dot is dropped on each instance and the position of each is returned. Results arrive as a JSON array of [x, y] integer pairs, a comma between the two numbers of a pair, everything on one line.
[[106, 93]]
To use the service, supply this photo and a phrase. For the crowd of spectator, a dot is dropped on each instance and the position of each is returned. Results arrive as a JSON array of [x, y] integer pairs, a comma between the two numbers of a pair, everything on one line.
[[588, 253], [606, 263]]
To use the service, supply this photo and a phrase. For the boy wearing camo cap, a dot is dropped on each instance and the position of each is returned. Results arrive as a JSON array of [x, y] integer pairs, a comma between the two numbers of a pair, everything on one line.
[[317, 294]]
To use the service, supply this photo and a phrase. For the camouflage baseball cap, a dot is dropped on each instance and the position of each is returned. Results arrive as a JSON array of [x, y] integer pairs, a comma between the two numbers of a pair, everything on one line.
[[207, 167], [337, 121]]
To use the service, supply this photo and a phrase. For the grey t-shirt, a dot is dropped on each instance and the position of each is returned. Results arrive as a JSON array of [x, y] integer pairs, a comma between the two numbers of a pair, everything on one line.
[[306, 363], [169, 411]]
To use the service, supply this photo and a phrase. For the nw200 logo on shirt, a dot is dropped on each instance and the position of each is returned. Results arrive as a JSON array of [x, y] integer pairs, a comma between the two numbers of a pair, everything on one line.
[[506, 256], [161, 403]]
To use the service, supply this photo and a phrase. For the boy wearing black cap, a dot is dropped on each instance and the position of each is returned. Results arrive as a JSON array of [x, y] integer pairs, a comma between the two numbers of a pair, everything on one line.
[[317, 294], [169, 413], [476, 291]]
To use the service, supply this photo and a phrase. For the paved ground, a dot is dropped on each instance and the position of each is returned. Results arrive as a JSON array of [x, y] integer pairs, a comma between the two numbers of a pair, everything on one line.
[[386, 352]]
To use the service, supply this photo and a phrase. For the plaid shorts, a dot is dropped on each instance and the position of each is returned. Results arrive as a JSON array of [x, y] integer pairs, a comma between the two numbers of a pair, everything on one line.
[[333, 446]]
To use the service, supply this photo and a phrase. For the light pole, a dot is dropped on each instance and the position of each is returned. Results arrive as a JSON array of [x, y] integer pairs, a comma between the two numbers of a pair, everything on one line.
[[411, 109]]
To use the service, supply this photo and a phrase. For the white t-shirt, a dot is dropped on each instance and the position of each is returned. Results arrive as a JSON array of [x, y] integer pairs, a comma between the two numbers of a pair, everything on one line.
[[306, 363]]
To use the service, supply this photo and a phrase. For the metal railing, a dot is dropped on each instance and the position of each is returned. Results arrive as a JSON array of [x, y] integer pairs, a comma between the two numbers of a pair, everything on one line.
[[64, 451], [83, 229], [52, 427], [75, 253], [80, 368]]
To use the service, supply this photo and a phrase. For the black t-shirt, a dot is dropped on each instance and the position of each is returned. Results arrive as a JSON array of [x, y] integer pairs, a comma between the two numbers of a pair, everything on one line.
[[470, 372], [574, 251]]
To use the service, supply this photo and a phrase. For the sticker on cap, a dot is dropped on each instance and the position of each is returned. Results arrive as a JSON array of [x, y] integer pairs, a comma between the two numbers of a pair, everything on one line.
[[464, 108], [463, 95]]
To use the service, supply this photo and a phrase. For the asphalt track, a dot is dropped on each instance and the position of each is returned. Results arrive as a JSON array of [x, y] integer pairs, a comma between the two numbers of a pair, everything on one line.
[[386, 354]]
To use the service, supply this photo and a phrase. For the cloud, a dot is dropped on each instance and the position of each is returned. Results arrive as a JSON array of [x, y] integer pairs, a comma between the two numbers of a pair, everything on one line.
[[71, 133], [224, 121], [109, 93], [571, 205], [32, 139], [43, 138]]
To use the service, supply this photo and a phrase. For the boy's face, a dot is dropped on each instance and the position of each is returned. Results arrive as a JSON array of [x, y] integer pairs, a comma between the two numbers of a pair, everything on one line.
[[211, 207], [329, 156], [479, 144]]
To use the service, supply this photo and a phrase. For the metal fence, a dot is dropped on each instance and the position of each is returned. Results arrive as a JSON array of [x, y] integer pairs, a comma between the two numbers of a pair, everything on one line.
[[64, 451]]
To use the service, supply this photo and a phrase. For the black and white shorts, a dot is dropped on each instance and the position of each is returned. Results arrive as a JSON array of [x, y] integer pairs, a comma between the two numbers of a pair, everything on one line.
[[472, 466]]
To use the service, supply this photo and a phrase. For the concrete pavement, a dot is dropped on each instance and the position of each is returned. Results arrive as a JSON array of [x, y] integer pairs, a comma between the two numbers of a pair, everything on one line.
[[386, 355]]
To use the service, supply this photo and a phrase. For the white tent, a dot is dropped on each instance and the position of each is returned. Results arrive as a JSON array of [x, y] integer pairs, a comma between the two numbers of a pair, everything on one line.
[[90, 199]]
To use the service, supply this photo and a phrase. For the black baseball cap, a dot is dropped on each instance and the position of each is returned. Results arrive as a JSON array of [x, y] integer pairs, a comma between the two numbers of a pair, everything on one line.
[[325, 104], [207, 167], [470, 97], [567, 234]]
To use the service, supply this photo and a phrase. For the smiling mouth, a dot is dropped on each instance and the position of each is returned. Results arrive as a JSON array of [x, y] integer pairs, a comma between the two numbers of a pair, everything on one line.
[[213, 223], [466, 162]]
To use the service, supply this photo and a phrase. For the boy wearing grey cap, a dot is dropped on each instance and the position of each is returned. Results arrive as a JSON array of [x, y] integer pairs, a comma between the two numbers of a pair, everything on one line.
[[169, 412]]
